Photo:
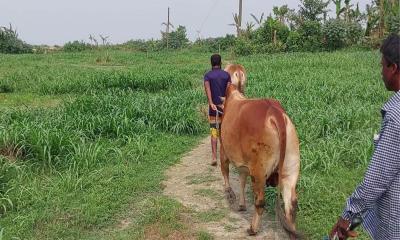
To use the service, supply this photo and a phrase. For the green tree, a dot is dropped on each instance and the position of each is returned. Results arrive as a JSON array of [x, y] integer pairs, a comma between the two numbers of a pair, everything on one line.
[[339, 9], [383, 16], [348, 10], [10, 43], [356, 14], [311, 35], [313, 9], [236, 23], [372, 18], [178, 38], [260, 20], [248, 31], [392, 19], [294, 19], [281, 13], [271, 31], [338, 33]]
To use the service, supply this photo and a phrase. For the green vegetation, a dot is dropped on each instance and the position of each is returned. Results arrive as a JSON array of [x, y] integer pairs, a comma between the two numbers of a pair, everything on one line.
[[199, 178], [84, 144], [286, 30], [308, 29], [70, 163], [212, 215], [10, 43], [76, 46], [209, 193], [204, 236]]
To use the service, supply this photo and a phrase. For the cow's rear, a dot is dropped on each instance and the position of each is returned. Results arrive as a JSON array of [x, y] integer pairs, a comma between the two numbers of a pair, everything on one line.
[[258, 137]]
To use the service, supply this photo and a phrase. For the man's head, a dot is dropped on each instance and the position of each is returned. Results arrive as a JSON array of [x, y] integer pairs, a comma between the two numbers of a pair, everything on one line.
[[390, 61], [216, 61]]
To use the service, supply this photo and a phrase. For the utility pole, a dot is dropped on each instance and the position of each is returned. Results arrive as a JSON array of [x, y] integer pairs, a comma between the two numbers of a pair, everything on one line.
[[240, 15], [168, 29], [165, 34]]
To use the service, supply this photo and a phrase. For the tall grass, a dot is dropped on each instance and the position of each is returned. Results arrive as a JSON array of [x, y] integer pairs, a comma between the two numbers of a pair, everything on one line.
[[71, 168]]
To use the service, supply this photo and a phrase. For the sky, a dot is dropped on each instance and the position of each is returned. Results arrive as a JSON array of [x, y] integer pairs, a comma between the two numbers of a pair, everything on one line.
[[55, 22]]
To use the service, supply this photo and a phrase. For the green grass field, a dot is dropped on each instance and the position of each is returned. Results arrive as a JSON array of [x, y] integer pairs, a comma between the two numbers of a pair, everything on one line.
[[85, 144]]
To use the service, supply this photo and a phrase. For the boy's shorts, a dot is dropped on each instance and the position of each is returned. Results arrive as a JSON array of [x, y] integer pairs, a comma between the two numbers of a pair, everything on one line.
[[213, 126]]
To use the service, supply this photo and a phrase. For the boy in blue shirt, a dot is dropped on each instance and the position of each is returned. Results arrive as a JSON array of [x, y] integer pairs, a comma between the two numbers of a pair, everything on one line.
[[215, 83]]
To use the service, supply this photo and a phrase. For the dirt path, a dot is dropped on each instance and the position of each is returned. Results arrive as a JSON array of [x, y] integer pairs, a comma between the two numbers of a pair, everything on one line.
[[199, 186]]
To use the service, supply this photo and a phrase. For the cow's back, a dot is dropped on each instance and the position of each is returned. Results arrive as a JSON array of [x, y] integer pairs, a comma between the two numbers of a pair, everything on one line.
[[248, 133]]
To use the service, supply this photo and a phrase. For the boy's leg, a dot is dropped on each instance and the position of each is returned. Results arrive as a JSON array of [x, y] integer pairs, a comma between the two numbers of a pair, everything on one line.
[[214, 145], [214, 140]]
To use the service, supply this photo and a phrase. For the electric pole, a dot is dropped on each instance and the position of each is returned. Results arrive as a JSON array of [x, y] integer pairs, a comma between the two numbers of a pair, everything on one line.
[[168, 29], [165, 34], [240, 14]]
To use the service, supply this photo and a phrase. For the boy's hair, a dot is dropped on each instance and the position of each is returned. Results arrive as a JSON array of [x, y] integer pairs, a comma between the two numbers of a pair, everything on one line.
[[216, 60], [390, 49]]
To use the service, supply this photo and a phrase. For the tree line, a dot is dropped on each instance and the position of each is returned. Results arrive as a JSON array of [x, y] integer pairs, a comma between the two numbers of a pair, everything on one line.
[[285, 29]]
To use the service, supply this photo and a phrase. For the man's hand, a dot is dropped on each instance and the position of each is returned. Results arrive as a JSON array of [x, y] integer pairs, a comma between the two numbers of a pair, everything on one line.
[[213, 106], [341, 230]]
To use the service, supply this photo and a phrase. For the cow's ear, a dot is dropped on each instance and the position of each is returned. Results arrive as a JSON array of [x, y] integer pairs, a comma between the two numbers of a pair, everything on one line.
[[222, 99]]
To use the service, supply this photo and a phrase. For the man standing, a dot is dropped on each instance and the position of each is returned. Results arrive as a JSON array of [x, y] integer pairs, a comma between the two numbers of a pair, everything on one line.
[[377, 198], [215, 83]]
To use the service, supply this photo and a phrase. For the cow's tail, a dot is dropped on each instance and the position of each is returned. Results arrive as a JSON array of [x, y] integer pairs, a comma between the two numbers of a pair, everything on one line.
[[282, 218], [280, 124]]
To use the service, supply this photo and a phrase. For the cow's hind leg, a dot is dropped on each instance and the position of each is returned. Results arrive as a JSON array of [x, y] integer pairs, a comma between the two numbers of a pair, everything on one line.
[[242, 178], [259, 203], [230, 195], [290, 202]]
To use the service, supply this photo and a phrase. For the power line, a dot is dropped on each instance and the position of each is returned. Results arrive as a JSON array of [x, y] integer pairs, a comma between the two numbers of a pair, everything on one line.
[[208, 15]]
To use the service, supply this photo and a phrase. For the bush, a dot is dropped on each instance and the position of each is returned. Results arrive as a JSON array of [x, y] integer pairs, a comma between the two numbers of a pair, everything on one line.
[[216, 44], [10, 43], [176, 39], [271, 48], [354, 33], [334, 34], [243, 47], [138, 45], [76, 46], [394, 24], [294, 42], [311, 36], [371, 42], [339, 34], [265, 34], [143, 45]]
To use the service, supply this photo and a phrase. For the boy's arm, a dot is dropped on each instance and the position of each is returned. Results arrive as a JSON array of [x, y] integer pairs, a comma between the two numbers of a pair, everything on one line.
[[207, 89]]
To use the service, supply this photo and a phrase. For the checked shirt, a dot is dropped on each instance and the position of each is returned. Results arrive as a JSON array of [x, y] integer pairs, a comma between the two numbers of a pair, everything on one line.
[[377, 198]]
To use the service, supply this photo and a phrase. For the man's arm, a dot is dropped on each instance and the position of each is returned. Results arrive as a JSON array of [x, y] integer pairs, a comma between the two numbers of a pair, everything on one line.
[[384, 167], [207, 89]]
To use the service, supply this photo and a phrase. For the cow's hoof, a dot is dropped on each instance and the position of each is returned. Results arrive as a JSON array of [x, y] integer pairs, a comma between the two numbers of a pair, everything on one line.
[[242, 208], [251, 232], [230, 195]]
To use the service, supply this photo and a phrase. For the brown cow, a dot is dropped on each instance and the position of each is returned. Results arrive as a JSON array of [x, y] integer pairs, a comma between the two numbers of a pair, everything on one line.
[[238, 75], [261, 141]]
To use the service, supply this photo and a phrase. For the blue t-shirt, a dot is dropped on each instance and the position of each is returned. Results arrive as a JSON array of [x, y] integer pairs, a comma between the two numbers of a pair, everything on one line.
[[218, 80]]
